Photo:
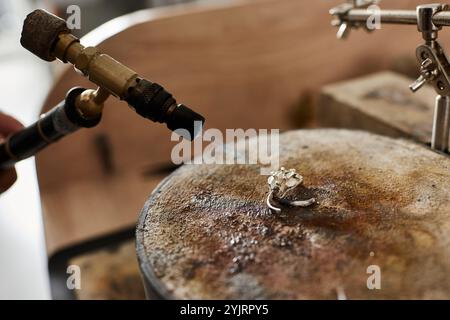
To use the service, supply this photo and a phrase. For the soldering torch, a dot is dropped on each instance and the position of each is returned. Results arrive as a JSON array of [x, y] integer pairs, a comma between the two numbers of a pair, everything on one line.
[[48, 37]]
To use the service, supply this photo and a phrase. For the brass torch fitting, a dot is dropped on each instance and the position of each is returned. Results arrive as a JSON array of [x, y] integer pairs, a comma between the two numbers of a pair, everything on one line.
[[98, 67], [90, 102]]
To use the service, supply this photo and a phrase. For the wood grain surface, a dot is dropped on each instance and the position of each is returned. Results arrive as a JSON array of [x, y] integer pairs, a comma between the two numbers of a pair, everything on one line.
[[380, 103]]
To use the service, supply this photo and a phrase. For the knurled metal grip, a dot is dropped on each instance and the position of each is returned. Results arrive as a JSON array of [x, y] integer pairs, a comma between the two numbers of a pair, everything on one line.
[[152, 101], [40, 33]]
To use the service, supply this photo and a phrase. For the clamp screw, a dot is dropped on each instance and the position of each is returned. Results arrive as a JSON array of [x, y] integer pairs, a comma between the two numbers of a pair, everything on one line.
[[427, 72]]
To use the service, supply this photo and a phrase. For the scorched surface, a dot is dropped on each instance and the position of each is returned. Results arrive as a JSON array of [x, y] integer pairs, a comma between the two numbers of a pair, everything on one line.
[[206, 232]]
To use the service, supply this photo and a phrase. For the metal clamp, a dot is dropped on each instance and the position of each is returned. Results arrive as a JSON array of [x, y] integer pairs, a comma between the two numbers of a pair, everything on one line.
[[434, 64]]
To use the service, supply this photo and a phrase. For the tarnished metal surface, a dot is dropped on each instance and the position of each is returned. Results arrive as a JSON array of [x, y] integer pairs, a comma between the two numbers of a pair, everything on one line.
[[206, 231], [40, 33]]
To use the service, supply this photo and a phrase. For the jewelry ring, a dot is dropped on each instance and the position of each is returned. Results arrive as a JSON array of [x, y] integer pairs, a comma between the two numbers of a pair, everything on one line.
[[280, 183]]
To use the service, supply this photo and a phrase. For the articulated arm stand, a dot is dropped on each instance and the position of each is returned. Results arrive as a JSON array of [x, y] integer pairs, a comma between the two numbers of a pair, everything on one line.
[[434, 64]]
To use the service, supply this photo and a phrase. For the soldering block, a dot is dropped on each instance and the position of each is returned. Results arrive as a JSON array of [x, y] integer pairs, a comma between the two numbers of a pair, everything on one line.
[[40, 32], [381, 103]]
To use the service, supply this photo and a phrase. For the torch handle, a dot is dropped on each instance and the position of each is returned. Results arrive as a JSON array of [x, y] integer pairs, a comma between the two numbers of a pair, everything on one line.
[[52, 126]]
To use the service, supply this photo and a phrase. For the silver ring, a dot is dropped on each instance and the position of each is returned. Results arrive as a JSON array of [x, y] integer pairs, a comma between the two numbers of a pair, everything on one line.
[[280, 183]]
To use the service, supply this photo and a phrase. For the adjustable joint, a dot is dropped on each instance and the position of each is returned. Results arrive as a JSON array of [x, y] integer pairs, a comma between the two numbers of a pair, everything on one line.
[[425, 25], [341, 16]]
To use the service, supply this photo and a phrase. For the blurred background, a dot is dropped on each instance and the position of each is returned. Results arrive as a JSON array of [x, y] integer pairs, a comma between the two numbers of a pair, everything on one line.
[[25, 81]]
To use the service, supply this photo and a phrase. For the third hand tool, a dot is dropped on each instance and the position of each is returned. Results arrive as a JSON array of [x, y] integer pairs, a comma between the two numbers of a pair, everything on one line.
[[434, 64]]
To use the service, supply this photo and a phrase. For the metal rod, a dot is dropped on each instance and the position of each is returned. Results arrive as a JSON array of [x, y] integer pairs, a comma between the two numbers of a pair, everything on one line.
[[395, 16], [442, 19], [441, 123]]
